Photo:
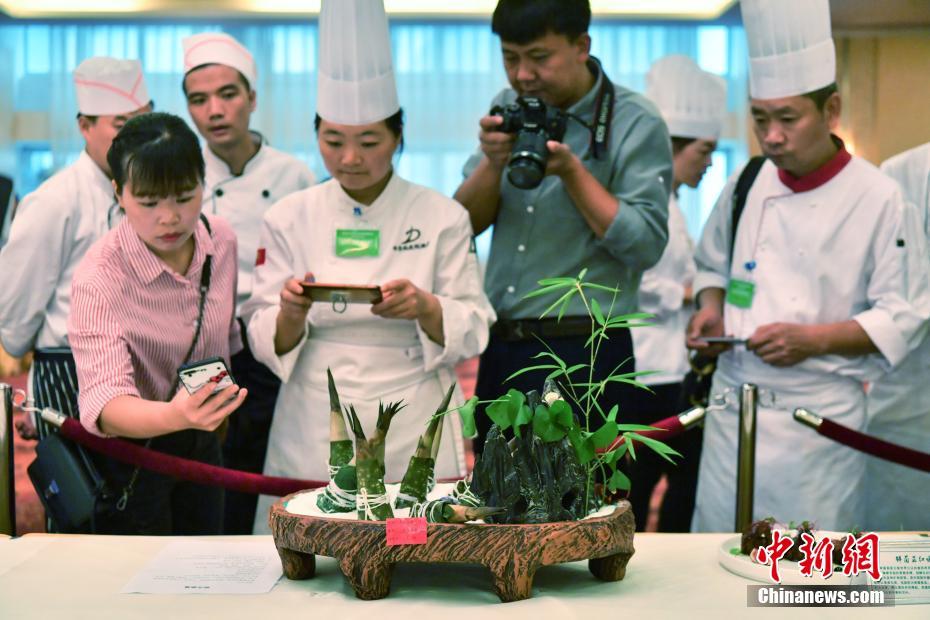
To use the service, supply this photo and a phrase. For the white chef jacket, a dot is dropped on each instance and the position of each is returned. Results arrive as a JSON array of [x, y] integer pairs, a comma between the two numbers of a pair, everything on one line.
[[899, 402], [54, 226], [424, 237], [849, 248], [661, 346], [243, 199]]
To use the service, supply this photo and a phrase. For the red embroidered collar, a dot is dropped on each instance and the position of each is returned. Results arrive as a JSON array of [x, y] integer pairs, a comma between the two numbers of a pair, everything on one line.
[[821, 175]]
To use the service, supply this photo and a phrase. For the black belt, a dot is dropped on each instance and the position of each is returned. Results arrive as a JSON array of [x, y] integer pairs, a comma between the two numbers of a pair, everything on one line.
[[529, 329]]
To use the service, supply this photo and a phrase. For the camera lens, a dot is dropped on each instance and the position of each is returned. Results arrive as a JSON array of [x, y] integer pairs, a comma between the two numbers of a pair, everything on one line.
[[527, 165]]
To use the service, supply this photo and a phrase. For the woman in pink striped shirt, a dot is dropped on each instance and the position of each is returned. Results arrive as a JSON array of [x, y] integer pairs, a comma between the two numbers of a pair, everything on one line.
[[136, 306]]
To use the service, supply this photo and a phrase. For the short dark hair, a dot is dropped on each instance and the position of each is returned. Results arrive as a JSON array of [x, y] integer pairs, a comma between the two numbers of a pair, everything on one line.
[[820, 96], [395, 124], [242, 78], [522, 21], [679, 144], [158, 154]]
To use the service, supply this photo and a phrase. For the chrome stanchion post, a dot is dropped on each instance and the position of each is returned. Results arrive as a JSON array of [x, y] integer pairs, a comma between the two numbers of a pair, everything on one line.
[[8, 498], [746, 455]]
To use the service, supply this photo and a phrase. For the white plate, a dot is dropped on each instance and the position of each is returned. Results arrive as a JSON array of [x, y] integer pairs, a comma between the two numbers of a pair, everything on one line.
[[790, 572]]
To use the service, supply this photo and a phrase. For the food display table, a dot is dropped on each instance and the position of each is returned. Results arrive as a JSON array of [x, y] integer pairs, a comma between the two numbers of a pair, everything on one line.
[[670, 575]]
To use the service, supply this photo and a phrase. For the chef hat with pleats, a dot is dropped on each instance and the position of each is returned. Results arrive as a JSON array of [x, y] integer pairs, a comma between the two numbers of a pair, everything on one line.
[[108, 86], [355, 76], [791, 50], [692, 101], [218, 48]]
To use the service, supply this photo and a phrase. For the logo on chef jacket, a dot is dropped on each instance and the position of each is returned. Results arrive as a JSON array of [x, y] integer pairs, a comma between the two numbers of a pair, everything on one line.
[[411, 241]]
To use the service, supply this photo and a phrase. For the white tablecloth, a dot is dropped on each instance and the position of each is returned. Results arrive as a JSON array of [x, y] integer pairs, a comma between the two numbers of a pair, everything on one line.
[[671, 575]]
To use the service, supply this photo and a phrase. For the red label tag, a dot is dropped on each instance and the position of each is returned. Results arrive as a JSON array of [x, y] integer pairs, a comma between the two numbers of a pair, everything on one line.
[[406, 531], [260, 257]]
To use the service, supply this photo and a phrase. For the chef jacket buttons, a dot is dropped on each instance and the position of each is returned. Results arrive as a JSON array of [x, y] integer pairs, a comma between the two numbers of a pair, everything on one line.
[[529, 209], [265, 193], [219, 193], [521, 248], [511, 290]]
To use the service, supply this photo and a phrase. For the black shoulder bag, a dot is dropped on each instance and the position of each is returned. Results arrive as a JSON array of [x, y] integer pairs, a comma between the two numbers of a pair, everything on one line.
[[695, 388]]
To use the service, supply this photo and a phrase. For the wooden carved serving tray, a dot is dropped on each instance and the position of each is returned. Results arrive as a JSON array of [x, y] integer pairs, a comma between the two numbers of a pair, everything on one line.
[[513, 553]]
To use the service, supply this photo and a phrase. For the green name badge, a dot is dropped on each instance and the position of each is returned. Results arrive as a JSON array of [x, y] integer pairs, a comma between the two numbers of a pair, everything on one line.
[[354, 243], [740, 293]]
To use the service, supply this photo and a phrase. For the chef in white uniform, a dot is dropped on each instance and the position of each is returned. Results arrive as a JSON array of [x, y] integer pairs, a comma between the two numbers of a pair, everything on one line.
[[692, 103], [828, 281], [365, 226], [899, 402], [57, 223], [244, 177]]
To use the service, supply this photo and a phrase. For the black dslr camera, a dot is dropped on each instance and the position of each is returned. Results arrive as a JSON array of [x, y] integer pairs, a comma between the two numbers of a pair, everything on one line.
[[534, 124]]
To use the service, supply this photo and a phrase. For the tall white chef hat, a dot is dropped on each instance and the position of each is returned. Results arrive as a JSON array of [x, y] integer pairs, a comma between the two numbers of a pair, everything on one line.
[[355, 77], [218, 48], [791, 51], [108, 86], [692, 101]]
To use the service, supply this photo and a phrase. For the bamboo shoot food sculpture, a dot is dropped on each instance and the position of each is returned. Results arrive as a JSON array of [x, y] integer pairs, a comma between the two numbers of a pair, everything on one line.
[[357, 479], [529, 493]]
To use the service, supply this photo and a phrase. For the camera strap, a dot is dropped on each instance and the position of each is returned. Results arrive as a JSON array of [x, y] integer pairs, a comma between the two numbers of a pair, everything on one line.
[[205, 273], [603, 111]]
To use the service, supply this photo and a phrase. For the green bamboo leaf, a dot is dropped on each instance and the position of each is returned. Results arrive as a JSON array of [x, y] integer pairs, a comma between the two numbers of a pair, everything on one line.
[[548, 281], [575, 368], [523, 371], [625, 428], [563, 308], [467, 413], [545, 290], [657, 446], [596, 311], [600, 287], [627, 381], [558, 360], [629, 445], [605, 435], [565, 297], [582, 274], [612, 415]]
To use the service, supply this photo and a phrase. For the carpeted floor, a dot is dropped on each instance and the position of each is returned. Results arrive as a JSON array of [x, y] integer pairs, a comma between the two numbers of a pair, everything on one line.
[[30, 516]]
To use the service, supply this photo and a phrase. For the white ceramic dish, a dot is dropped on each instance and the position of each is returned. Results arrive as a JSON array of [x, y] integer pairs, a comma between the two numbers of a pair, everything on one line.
[[790, 572]]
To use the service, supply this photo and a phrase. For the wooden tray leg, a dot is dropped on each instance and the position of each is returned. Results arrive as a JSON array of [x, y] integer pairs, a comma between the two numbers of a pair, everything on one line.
[[370, 577], [513, 580], [610, 568], [296, 564]]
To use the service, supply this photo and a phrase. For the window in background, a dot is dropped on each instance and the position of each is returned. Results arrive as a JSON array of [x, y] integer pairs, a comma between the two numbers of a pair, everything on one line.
[[447, 73]]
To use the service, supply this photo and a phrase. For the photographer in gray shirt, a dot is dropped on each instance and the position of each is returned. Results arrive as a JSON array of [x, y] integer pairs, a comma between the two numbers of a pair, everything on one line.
[[600, 205]]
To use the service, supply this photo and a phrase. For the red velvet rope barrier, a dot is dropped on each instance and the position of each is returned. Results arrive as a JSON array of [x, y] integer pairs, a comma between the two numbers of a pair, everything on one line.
[[875, 447], [665, 429], [184, 469], [247, 482]]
